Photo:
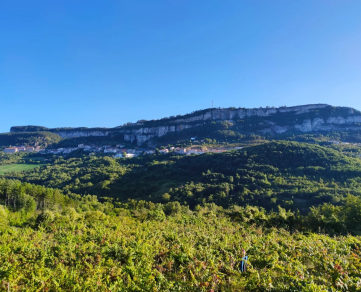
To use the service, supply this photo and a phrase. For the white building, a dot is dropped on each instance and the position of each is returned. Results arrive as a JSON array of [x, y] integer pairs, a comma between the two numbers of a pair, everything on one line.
[[182, 151], [11, 150], [111, 150], [189, 152]]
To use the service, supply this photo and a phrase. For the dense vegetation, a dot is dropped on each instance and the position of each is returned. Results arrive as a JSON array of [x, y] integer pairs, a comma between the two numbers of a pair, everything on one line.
[[21, 157], [292, 175], [29, 129], [295, 208], [41, 128], [28, 139], [53, 242], [179, 223], [6, 158], [112, 139]]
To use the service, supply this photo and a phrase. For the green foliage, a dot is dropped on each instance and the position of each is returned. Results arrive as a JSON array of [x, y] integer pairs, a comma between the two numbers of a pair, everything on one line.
[[15, 129], [28, 139], [26, 197], [94, 216], [20, 157], [179, 223], [76, 243], [81, 175], [292, 175], [46, 218], [111, 139], [3, 219], [199, 252], [352, 211], [6, 158]]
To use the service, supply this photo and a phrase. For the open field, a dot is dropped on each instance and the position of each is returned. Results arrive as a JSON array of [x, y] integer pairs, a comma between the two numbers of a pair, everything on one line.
[[17, 167]]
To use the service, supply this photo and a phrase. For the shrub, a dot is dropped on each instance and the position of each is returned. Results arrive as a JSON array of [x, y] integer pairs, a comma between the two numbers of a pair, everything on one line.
[[3, 219], [45, 218]]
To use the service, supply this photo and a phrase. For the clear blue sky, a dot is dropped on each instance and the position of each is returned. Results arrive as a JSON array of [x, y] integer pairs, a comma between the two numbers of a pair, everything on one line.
[[103, 63]]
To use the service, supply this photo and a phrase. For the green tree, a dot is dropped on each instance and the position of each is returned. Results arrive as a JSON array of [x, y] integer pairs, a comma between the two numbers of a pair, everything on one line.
[[352, 212], [166, 197]]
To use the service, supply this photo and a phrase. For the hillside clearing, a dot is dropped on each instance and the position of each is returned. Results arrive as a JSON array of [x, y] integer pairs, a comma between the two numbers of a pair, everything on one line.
[[17, 167]]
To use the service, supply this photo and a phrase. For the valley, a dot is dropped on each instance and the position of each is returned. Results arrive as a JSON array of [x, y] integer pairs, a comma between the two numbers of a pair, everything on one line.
[[173, 212], [180, 146]]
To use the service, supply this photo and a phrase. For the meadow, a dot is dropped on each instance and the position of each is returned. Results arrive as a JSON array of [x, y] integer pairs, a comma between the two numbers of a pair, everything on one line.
[[17, 167]]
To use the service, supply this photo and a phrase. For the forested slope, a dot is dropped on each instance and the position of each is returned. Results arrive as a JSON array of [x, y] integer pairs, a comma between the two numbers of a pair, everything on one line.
[[54, 242], [28, 139], [293, 175]]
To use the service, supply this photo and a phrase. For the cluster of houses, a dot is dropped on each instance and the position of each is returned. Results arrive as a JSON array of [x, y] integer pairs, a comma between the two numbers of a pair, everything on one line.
[[344, 143], [339, 143], [117, 151], [88, 148], [181, 151], [190, 151], [22, 149], [120, 151]]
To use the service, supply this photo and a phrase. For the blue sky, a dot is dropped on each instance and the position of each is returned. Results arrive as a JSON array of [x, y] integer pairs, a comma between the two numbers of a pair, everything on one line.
[[104, 63]]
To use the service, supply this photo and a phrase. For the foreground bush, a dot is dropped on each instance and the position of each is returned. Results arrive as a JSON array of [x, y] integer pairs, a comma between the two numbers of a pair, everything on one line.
[[181, 253], [3, 219]]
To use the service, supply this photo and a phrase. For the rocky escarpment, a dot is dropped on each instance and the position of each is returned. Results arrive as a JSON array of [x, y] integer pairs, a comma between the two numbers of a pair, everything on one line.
[[306, 118], [80, 133]]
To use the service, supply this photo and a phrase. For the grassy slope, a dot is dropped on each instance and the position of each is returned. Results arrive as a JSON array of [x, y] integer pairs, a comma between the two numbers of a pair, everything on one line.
[[17, 167]]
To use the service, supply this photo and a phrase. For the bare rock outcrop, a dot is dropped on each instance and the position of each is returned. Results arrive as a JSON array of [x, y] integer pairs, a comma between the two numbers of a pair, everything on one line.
[[305, 118]]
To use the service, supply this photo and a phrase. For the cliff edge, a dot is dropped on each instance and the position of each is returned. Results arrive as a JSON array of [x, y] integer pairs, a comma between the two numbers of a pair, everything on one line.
[[304, 118]]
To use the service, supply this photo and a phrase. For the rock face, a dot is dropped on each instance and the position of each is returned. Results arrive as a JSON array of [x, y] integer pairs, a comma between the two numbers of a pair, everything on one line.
[[306, 118], [75, 134], [141, 135]]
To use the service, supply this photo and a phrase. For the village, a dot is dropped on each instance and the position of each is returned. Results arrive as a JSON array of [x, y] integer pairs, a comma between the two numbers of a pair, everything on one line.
[[344, 143], [118, 151]]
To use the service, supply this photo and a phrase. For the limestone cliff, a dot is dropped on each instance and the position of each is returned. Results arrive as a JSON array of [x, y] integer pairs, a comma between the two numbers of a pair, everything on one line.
[[306, 118]]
